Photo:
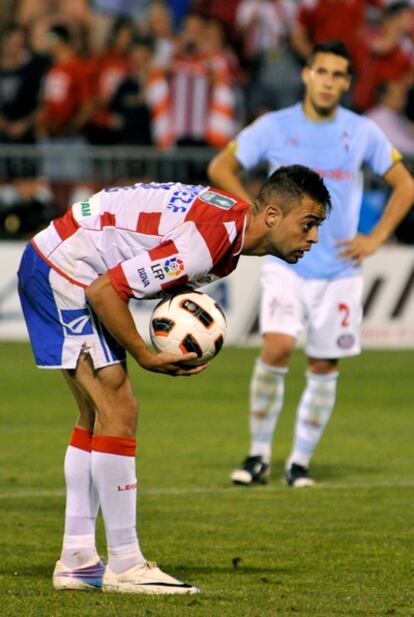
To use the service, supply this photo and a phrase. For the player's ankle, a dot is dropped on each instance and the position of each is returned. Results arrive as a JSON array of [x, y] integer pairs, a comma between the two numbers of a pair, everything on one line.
[[77, 558]]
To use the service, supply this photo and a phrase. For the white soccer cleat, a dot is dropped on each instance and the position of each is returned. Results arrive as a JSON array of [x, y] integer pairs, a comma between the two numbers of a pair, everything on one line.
[[145, 578], [86, 578], [297, 476], [252, 471]]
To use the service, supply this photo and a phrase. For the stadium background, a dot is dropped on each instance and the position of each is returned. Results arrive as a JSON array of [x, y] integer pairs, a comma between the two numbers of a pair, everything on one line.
[[153, 88]]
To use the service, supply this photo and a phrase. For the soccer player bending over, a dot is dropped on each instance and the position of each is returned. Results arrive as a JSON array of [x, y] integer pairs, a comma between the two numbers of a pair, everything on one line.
[[323, 292], [75, 280]]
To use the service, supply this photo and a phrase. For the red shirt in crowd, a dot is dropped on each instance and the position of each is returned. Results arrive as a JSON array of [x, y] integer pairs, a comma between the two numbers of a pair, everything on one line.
[[335, 19], [66, 90], [373, 69], [107, 71]]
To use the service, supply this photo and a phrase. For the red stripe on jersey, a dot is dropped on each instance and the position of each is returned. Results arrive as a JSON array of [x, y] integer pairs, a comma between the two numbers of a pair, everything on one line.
[[182, 280], [81, 438], [217, 240], [114, 445], [119, 283], [148, 223], [162, 251], [65, 225], [225, 266], [210, 222], [107, 219]]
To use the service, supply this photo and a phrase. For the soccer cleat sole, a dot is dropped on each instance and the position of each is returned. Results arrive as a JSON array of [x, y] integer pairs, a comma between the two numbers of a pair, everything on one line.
[[74, 585], [244, 478], [88, 578], [149, 588], [302, 483]]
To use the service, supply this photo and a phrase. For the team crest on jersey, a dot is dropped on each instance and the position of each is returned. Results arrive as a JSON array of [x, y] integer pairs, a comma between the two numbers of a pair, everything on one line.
[[395, 155], [77, 321], [173, 267], [346, 140], [216, 199], [346, 341], [232, 147]]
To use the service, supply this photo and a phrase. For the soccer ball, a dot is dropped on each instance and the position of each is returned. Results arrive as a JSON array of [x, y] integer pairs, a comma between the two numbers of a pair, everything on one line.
[[189, 321]]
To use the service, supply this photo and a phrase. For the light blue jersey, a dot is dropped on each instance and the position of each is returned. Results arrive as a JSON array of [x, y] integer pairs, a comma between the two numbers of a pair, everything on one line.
[[336, 149]]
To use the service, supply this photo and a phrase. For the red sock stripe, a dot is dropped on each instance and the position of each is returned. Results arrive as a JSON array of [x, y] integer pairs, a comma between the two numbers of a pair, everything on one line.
[[81, 439], [114, 445]]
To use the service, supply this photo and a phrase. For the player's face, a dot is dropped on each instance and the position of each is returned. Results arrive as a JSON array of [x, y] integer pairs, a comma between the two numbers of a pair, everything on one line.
[[297, 230], [325, 80]]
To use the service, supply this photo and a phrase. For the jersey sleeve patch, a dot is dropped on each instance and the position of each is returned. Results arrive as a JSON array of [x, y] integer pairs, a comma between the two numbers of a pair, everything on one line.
[[396, 155], [232, 147], [217, 199]]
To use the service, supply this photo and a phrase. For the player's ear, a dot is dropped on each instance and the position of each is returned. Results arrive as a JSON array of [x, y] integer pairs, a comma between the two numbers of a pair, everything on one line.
[[273, 214], [347, 83], [305, 74]]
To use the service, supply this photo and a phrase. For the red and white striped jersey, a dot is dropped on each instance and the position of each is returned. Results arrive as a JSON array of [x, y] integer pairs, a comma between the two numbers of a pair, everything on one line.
[[148, 237]]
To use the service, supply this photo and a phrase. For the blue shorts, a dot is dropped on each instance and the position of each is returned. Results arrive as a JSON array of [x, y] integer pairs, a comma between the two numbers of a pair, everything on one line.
[[60, 322]]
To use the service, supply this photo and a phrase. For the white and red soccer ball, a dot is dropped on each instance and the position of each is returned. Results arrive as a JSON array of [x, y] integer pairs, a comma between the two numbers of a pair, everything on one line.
[[189, 321]]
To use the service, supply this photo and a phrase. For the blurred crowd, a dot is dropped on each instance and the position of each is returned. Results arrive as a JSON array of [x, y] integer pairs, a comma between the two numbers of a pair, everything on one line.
[[189, 72]]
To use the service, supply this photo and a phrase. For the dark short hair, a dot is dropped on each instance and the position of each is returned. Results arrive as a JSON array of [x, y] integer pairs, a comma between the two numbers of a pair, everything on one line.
[[394, 8], [13, 27], [61, 32], [143, 41], [333, 46], [291, 183], [118, 25]]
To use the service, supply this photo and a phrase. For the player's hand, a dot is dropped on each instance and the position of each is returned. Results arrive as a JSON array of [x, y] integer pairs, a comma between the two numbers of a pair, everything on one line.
[[171, 364], [357, 248]]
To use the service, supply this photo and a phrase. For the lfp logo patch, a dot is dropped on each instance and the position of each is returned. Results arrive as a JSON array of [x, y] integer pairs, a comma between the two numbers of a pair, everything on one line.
[[173, 267]]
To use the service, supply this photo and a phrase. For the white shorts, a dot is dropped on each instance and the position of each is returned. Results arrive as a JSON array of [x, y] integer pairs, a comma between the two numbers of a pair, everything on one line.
[[60, 322], [329, 312]]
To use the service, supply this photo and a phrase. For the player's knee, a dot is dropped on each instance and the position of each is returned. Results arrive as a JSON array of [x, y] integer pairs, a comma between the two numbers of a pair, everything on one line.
[[277, 349], [114, 380], [117, 417], [319, 366], [118, 407]]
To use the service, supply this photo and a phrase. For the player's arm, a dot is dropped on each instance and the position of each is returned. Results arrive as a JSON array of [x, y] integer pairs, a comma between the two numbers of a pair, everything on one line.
[[398, 205], [224, 173], [300, 41], [114, 313]]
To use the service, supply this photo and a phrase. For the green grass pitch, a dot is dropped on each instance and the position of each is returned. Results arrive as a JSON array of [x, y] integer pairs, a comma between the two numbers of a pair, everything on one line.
[[343, 548]]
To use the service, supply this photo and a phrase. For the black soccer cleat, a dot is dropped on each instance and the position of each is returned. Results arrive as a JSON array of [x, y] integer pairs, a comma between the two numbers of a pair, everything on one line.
[[297, 476], [252, 471]]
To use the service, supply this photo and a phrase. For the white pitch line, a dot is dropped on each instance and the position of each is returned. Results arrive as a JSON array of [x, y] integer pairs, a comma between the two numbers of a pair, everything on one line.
[[231, 491]]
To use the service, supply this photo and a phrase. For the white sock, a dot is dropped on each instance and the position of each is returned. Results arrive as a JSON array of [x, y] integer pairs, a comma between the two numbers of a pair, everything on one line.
[[81, 503], [113, 472], [314, 411], [267, 389]]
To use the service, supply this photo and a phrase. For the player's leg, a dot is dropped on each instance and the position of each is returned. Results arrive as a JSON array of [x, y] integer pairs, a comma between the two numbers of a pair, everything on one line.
[[114, 475], [79, 566], [335, 317], [65, 334], [280, 323], [314, 411], [60, 326], [113, 456]]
